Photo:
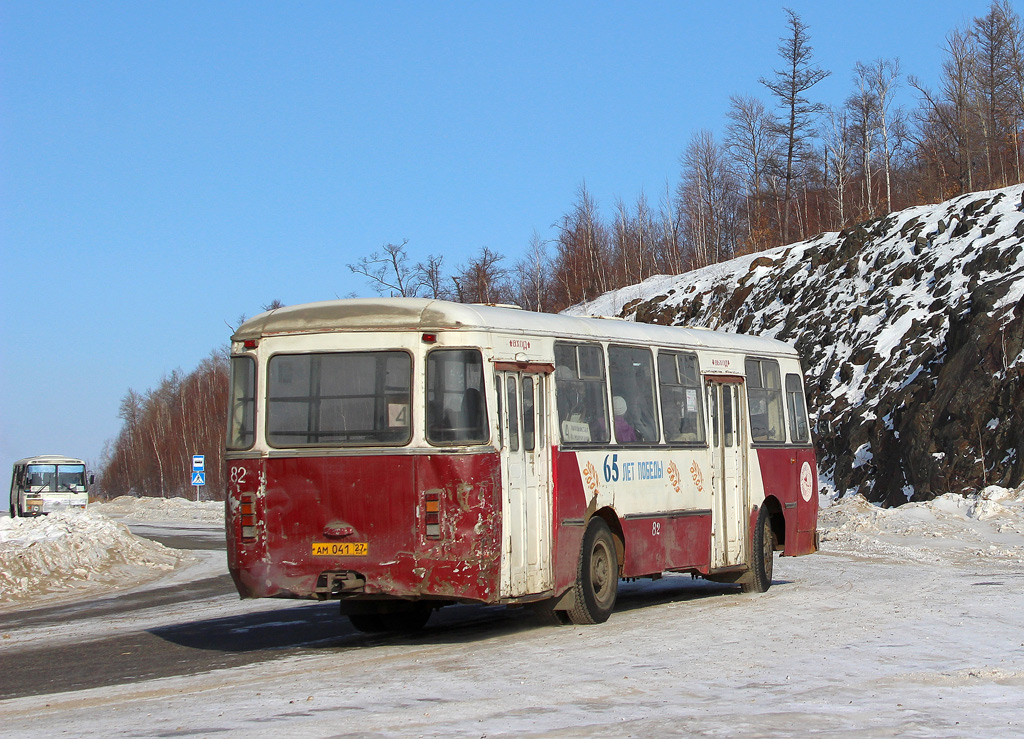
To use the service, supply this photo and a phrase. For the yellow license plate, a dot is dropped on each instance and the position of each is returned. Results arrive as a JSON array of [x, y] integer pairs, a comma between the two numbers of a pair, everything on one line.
[[340, 548]]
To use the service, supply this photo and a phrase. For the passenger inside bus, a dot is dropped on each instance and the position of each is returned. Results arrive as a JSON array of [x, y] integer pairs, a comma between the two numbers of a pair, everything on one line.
[[472, 412], [624, 430]]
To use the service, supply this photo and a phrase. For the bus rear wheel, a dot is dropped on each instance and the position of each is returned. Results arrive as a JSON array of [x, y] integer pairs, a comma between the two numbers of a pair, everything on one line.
[[763, 559], [407, 619], [597, 576]]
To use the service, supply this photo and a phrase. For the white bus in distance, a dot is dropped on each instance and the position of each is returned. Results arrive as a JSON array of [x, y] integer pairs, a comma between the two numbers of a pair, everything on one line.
[[48, 483], [402, 454]]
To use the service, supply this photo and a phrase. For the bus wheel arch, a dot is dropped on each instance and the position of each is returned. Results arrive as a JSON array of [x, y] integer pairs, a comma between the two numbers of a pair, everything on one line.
[[778, 520], [615, 526]]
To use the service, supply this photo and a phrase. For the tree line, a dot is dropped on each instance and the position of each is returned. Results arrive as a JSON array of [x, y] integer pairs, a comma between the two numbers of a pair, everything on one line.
[[785, 167], [161, 429]]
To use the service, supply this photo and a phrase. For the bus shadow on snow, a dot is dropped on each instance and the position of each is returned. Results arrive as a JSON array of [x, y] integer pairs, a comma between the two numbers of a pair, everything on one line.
[[319, 626]]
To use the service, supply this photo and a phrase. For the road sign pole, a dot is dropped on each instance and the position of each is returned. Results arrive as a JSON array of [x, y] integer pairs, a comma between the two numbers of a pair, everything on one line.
[[198, 472]]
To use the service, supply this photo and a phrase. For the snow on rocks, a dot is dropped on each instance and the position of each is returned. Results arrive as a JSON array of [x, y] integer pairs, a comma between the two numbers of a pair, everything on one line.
[[162, 509], [75, 550]]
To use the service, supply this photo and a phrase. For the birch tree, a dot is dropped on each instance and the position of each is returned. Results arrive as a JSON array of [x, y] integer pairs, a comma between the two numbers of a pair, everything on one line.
[[752, 142]]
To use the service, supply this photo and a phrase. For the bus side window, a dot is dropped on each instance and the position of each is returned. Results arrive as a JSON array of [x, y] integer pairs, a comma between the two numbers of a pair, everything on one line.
[[681, 413], [798, 431], [582, 393], [632, 375], [764, 398], [456, 410]]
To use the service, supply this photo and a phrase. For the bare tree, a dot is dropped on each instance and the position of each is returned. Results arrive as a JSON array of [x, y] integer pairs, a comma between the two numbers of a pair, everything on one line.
[[836, 140], [993, 77], [946, 120], [388, 271], [1016, 88], [789, 85], [531, 282], [709, 196], [581, 263], [883, 78], [482, 279], [670, 241], [430, 278], [752, 142], [632, 242], [863, 108]]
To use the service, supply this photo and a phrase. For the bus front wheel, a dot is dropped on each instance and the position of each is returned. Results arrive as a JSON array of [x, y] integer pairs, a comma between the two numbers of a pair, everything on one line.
[[762, 561], [597, 576]]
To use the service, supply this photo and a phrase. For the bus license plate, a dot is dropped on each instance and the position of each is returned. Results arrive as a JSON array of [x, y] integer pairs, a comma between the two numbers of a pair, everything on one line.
[[340, 549]]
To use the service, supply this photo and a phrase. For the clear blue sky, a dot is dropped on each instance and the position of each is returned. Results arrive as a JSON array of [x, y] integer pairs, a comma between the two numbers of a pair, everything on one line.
[[168, 166]]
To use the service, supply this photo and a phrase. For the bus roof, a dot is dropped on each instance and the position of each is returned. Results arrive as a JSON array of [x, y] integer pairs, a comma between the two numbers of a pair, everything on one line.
[[49, 459], [424, 314]]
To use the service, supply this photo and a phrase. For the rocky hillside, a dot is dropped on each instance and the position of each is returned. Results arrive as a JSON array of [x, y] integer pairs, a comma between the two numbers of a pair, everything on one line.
[[910, 328]]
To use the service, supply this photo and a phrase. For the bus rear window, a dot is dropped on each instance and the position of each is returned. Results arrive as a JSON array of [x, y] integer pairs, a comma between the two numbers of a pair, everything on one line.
[[456, 412], [339, 399]]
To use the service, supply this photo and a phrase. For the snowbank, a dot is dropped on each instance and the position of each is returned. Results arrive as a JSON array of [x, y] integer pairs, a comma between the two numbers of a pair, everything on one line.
[[162, 509], [75, 550], [988, 524]]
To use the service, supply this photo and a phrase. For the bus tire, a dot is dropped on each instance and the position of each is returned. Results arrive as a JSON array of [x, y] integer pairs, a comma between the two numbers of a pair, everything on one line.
[[763, 555], [548, 615], [405, 620], [597, 576]]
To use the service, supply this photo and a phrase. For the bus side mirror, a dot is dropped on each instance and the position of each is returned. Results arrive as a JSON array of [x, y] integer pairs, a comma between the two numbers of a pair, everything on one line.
[[92, 479]]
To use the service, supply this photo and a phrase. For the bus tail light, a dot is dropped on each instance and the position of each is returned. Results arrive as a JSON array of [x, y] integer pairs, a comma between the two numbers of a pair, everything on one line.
[[432, 509], [247, 515]]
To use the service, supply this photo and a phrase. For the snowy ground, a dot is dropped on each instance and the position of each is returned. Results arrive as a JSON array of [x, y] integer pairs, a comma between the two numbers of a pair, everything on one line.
[[906, 624]]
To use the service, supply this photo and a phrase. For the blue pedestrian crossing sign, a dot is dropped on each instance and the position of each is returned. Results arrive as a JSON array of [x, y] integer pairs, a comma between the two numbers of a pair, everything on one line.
[[198, 478]]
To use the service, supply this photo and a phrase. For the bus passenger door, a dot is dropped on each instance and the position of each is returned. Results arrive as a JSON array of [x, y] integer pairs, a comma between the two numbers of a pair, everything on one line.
[[728, 482], [526, 509]]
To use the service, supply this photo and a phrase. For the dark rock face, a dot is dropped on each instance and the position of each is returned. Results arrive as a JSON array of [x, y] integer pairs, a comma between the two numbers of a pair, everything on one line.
[[911, 331]]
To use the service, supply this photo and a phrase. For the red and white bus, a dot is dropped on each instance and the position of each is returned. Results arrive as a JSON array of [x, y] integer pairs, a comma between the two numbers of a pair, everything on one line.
[[403, 454]]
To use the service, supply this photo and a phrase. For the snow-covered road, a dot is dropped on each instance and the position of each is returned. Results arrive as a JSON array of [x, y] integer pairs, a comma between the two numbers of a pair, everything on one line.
[[908, 624]]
